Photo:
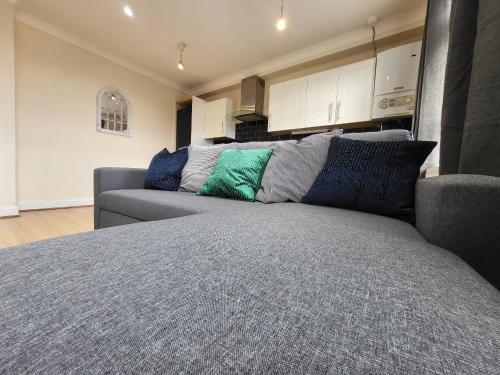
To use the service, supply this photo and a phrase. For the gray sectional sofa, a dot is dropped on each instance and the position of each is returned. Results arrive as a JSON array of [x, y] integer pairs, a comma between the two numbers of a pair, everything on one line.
[[210, 285]]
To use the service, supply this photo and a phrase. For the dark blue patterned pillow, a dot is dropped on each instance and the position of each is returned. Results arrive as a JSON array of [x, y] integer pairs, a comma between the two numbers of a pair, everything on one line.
[[164, 172], [376, 177]]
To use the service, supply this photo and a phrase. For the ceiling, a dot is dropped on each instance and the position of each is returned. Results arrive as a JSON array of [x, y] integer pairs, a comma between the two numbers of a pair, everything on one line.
[[222, 36]]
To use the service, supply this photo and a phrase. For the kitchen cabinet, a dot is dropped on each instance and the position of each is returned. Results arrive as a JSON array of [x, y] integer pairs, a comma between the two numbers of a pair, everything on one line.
[[336, 96], [321, 96], [355, 92], [198, 123], [217, 123], [287, 104]]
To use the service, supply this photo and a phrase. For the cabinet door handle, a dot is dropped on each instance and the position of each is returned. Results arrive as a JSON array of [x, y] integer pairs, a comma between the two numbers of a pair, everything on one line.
[[330, 107], [222, 127], [337, 111]]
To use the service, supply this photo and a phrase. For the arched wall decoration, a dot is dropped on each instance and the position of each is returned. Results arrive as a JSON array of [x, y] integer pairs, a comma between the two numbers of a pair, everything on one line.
[[113, 112]]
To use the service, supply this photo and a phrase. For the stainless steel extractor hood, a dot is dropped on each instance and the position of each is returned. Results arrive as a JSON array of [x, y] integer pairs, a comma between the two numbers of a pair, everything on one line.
[[252, 100]]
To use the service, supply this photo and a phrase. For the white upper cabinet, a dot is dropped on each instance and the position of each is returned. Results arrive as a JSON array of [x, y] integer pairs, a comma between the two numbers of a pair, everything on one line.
[[355, 92], [217, 123], [198, 123], [320, 98], [336, 96], [287, 104]]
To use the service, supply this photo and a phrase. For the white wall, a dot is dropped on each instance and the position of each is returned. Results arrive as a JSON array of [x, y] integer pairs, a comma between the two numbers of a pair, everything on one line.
[[57, 143], [7, 112]]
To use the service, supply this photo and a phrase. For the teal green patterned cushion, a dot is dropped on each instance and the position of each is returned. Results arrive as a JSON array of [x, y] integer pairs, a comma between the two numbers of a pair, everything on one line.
[[237, 174]]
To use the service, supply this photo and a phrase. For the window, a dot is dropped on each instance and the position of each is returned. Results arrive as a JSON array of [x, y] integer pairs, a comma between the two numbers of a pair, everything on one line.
[[113, 112]]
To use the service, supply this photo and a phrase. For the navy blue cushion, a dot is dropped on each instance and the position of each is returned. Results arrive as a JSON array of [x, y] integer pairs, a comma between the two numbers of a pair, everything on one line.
[[164, 172], [376, 177]]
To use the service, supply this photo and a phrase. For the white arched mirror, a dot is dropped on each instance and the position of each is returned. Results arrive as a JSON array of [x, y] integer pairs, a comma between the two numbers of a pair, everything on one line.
[[113, 112]]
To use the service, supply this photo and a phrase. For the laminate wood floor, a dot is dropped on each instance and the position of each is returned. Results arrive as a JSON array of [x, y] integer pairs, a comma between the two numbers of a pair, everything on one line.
[[39, 225]]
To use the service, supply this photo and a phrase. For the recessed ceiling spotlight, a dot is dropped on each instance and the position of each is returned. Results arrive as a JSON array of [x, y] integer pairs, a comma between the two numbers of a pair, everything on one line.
[[281, 24], [180, 47], [128, 11]]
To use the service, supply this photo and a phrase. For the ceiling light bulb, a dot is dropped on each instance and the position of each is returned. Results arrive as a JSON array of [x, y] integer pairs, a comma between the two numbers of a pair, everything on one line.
[[113, 97], [180, 47], [281, 24], [128, 11]]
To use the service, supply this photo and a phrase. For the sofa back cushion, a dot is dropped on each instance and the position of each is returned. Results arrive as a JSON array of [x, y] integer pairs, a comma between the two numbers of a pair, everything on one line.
[[202, 160], [394, 135], [256, 145], [237, 175], [376, 177], [165, 169], [293, 168]]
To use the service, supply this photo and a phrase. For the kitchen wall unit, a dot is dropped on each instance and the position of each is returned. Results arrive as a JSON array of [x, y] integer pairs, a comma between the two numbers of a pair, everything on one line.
[[320, 98], [288, 104], [355, 92], [215, 121], [198, 123], [336, 96]]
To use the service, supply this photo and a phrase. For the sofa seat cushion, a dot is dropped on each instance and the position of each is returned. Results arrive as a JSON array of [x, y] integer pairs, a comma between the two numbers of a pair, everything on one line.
[[281, 288], [149, 205]]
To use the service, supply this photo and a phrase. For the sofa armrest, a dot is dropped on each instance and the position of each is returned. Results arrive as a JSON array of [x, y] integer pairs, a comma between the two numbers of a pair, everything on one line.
[[106, 179], [461, 213]]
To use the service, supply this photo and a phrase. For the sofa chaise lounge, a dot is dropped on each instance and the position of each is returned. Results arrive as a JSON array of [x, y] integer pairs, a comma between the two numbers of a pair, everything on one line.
[[210, 285]]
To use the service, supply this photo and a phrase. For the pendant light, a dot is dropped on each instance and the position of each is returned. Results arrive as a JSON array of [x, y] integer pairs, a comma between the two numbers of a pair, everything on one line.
[[180, 47], [281, 24], [128, 11]]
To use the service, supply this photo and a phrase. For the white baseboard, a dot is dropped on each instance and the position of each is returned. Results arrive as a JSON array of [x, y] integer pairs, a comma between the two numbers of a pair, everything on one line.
[[9, 210], [60, 203]]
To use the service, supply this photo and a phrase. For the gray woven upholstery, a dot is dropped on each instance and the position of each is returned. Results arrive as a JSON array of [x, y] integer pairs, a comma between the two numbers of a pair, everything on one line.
[[150, 205], [111, 219], [106, 179], [393, 135], [258, 145], [462, 213], [273, 289]]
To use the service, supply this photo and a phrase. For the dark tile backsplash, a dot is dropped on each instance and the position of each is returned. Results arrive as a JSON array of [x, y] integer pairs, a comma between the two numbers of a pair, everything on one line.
[[257, 131]]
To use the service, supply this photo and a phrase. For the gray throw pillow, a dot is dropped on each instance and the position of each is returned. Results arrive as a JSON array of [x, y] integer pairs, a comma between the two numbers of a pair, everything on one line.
[[293, 167], [201, 161], [394, 135]]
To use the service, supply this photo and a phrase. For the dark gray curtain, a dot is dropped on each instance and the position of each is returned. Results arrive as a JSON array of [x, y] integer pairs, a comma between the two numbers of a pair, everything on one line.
[[463, 24], [470, 129], [430, 88]]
